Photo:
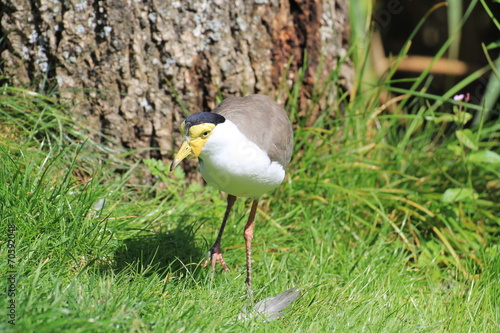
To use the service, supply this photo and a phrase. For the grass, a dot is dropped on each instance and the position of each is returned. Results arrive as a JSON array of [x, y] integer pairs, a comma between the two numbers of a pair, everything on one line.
[[387, 222], [360, 225]]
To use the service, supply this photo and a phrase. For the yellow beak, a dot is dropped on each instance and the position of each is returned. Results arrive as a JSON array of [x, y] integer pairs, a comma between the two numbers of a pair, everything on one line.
[[183, 152]]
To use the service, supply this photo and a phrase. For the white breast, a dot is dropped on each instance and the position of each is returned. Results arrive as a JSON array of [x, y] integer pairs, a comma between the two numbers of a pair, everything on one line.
[[235, 165]]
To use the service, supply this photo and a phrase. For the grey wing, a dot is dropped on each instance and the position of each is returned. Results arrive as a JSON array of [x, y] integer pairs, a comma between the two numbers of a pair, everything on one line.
[[263, 121]]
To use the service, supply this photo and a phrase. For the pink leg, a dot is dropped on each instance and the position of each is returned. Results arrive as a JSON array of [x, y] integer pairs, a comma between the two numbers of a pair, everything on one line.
[[248, 234]]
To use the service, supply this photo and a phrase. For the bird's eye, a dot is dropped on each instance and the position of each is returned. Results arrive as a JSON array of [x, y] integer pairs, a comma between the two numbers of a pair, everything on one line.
[[205, 134]]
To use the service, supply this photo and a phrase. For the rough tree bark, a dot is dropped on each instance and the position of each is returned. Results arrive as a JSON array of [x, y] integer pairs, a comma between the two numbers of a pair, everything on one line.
[[122, 62]]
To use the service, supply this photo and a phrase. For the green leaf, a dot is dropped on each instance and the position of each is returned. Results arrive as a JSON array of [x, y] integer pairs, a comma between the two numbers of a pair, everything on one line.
[[458, 195], [445, 118], [493, 45], [462, 118], [485, 156], [179, 173], [459, 118], [466, 138], [456, 149]]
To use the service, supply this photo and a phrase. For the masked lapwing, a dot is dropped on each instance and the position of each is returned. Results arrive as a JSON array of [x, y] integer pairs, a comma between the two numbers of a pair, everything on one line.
[[243, 147]]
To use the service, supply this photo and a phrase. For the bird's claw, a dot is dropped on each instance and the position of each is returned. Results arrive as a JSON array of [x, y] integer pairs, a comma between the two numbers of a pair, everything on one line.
[[214, 257]]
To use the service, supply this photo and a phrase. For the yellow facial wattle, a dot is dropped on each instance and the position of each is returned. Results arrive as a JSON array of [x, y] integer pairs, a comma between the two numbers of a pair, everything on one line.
[[198, 135], [193, 144]]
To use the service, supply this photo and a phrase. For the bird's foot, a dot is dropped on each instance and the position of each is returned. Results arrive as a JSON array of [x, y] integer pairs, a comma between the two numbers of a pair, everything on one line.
[[215, 255]]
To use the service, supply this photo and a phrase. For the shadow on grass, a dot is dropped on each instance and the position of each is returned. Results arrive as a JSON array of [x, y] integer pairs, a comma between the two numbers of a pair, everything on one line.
[[172, 252]]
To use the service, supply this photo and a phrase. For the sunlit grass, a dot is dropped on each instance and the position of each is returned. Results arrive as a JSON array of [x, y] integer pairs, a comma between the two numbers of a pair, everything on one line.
[[360, 225]]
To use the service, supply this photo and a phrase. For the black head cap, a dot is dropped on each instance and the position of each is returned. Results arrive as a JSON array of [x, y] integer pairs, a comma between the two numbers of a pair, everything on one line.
[[203, 118]]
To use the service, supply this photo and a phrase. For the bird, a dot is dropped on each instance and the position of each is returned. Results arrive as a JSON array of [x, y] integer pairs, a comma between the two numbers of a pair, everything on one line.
[[243, 147]]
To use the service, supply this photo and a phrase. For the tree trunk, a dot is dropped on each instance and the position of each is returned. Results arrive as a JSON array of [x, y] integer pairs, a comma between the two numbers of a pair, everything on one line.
[[128, 65]]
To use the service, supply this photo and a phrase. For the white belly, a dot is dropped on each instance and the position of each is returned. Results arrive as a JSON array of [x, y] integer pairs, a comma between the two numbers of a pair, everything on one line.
[[238, 166]]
